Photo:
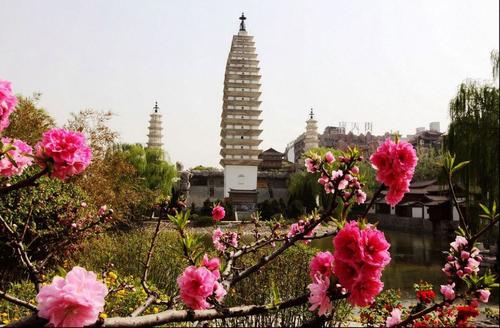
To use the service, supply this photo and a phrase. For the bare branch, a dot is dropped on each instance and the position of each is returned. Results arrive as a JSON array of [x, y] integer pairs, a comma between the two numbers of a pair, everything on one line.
[[17, 301]]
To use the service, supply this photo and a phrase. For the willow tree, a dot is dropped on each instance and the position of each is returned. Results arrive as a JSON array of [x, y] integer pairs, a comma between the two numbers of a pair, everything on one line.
[[474, 135], [157, 173]]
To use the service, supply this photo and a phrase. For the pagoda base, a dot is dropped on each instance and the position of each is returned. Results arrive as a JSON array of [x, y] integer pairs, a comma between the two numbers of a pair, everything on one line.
[[243, 200]]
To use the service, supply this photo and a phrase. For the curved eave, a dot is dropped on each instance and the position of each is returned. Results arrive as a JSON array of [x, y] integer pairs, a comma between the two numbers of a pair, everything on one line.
[[245, 142], [243, 162], [239, 152], [240, 121], [249, 94]]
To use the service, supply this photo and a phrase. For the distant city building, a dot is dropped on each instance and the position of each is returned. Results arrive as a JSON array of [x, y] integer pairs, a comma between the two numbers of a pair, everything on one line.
[[431, 138], [155, 129], [240, 121], [333, 137]]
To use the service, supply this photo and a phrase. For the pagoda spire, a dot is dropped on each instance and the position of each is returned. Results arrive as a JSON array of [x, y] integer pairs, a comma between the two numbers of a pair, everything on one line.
[[242, 23]]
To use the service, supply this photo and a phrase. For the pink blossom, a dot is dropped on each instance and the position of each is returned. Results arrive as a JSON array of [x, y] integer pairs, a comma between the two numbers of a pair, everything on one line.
[[102, 210], [394, 319], [318, 296], [464, 255], [397, 191], [219, 291], [21, 154], [329, 158], [322, 263], [395, 164], [342, 184], [346, 272], [355, 170], [447, 269], [218, 213], [364, 290], [484, 295], [8, 102], [216, 237], [74, 301], [337, 174], [311, 165], [459, 243], [473, 264], [299, 227], [233, 238], [375, 247], [210, 264], [64, 152], [448, 292], [360, 196], [347, 243], [196, 285]]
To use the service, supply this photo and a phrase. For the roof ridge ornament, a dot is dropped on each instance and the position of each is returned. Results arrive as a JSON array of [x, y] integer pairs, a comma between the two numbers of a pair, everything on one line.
[[242, 24], [156, 107]]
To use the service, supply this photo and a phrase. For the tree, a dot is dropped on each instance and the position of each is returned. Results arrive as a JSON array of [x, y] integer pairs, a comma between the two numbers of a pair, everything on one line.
[[157, 173], [29, 121], [429, 164], [474, 134]]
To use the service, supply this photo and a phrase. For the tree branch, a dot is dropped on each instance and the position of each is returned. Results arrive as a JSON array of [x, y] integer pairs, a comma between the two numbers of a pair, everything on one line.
[[24, 183], [17, 301], [372, 201]]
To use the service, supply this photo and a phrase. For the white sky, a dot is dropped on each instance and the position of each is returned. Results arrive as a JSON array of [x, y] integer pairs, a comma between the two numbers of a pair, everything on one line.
[[394, 63]]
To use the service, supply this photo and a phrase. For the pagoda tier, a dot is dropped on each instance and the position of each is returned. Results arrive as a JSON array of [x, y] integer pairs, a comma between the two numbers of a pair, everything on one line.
[[240, 119]]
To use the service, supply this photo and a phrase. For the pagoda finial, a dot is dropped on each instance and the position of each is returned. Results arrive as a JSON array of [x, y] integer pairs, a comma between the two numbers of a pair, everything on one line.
[[242, 24], [156, 107], [311, 114]]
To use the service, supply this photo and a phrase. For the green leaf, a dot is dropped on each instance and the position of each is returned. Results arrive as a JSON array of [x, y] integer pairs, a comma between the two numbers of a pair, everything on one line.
[[459, 166], [485, 209]]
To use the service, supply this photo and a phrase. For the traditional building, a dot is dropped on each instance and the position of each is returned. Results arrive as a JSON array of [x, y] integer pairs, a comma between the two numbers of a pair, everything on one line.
[[240, 123], [432, 138], [155, 135]]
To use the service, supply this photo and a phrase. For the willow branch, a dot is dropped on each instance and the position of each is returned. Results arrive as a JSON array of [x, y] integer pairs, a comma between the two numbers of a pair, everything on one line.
[[17, 301], [24, 183]]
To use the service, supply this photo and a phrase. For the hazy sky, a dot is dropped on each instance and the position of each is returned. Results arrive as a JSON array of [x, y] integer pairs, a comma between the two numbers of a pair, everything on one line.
[[394, 63]]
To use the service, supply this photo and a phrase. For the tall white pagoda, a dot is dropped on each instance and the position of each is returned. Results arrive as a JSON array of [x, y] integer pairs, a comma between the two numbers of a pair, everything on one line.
[[240, 123], [155, 130]]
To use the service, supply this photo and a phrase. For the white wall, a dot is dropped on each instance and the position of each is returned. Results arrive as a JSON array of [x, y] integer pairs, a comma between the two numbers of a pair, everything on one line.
[[456, 217], [239, 177], [416, 212]]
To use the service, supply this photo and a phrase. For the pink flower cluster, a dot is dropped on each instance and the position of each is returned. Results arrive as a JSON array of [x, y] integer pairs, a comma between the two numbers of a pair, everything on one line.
[[318, 296], [461, 262], [74, 301], [299, 227], [395, 164], [197, 284], [64, 152], [394, 319], [320, 270], [21, 153], [218, 213], [344, 181], [222, 240], [360, 256], [8, 102]]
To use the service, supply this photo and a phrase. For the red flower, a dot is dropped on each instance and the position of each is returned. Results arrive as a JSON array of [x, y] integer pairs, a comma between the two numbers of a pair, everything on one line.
[[426, 296]]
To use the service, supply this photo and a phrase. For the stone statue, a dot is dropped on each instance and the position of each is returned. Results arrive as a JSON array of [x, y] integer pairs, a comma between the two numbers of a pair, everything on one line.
[[185, 184]]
